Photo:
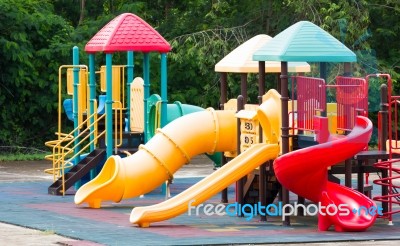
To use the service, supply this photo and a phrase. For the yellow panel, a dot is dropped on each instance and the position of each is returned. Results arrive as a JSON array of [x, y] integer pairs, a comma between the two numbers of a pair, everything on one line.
[[332, 117], [251, 106], [246, 114], [82, 99], [394, 145], [116, 85], [70, 82], [103, 78], [269, 115], [117, 80], [249, 126], [292, 105], [231, 104], [137, 105]]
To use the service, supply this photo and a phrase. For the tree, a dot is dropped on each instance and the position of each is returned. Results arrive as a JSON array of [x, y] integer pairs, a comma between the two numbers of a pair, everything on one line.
[[33, 43]]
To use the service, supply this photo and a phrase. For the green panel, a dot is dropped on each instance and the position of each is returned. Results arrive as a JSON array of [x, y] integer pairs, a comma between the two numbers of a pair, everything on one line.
[[175, 110], [151, 115]]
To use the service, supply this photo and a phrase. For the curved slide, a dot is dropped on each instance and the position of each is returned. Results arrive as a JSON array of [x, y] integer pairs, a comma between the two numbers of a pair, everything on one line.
[[269, 116], [304, 172], [207, 187], [173, 146]]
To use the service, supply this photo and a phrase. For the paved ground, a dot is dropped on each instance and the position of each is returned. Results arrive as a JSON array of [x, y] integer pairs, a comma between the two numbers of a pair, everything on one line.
[[24, 179]]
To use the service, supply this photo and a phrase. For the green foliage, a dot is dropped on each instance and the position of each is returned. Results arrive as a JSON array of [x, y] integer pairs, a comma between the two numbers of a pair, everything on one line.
[[36, 37], [385, 29], [33, 43]]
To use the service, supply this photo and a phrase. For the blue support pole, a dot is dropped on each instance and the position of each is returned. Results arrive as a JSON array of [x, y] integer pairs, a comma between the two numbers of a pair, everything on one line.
[[164, 101], [164, 96], [92, 96], [130, 71], [75, 70], [109, 102], [146, 78]]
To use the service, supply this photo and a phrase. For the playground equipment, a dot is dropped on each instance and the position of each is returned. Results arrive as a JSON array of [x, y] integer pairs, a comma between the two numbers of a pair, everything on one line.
[[254, 156], [240, 61], [157, 161], [319, 135], [388, 149], [124, 115], [304, 172]]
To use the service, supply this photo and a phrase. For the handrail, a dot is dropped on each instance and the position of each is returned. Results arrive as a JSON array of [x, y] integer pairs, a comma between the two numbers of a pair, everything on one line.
[[118, 134], [60, 90], [60, 163], [70, 139]]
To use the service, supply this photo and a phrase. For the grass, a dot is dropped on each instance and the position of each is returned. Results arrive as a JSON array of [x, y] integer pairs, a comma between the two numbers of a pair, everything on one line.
[[17, 153], [21, 157]]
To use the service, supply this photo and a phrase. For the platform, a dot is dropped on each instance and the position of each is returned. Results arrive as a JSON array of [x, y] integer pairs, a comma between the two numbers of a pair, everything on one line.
[[28, 204]]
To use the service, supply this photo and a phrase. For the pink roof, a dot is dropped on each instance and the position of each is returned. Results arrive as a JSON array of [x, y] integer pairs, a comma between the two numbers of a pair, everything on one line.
[[127, 32]]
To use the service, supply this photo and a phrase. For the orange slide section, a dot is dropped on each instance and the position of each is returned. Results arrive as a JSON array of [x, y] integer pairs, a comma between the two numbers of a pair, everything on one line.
[[173, 146], [269, 116], [304, 172], [207, 187]]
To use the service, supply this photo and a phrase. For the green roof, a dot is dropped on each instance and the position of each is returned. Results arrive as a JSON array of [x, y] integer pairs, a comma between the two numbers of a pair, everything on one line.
[[304, 41], [240, 60]]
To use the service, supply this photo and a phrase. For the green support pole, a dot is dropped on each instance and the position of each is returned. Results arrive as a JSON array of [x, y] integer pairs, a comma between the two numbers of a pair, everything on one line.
[[109, 101], [164, 98], [146, 78], [130, 75], [92, 97], [75, 62]]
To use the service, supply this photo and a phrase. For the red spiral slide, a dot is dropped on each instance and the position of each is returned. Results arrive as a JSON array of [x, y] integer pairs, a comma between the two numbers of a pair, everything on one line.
[[304, 172]]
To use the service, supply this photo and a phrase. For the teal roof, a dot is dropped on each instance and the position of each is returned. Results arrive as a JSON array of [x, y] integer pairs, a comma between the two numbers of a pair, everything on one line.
[[304, 41]]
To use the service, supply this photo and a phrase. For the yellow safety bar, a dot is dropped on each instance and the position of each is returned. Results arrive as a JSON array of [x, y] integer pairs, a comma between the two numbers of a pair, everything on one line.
[[118, 126], [82, 90], [61, 154]]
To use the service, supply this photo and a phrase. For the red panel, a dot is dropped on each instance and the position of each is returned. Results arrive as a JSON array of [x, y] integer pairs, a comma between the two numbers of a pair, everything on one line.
[[311, 97], [127, 32], [352, 100]]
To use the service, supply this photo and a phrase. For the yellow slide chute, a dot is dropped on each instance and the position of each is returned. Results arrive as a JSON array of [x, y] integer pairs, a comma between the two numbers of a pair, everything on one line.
[[173, 146]]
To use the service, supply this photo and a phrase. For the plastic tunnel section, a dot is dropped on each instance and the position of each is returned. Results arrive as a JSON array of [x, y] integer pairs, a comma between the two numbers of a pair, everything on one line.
[[304, 172], [174, 145], [269, 114]]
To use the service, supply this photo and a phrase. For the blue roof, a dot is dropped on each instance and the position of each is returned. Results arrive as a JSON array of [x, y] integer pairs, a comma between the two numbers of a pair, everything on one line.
[[304, 41]]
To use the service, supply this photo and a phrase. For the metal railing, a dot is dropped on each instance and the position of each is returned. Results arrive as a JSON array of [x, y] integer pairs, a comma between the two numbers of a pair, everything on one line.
[[118, 124], [311, 99], [351, 97], [352, 100], [66, 152]]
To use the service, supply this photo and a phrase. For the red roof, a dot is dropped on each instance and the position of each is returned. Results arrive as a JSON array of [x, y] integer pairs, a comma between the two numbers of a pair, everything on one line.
[[127, 32]]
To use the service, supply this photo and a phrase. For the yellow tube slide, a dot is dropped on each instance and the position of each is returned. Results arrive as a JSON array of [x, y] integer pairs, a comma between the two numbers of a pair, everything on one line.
[[207, 187], [174, 145], [269, 116]]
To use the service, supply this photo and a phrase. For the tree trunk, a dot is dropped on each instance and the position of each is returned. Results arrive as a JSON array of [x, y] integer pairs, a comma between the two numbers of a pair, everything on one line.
[[82, 14]]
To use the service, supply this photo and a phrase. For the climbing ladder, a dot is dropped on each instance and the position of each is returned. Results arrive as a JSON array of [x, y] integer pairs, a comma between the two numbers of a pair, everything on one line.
[[390, 179]]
